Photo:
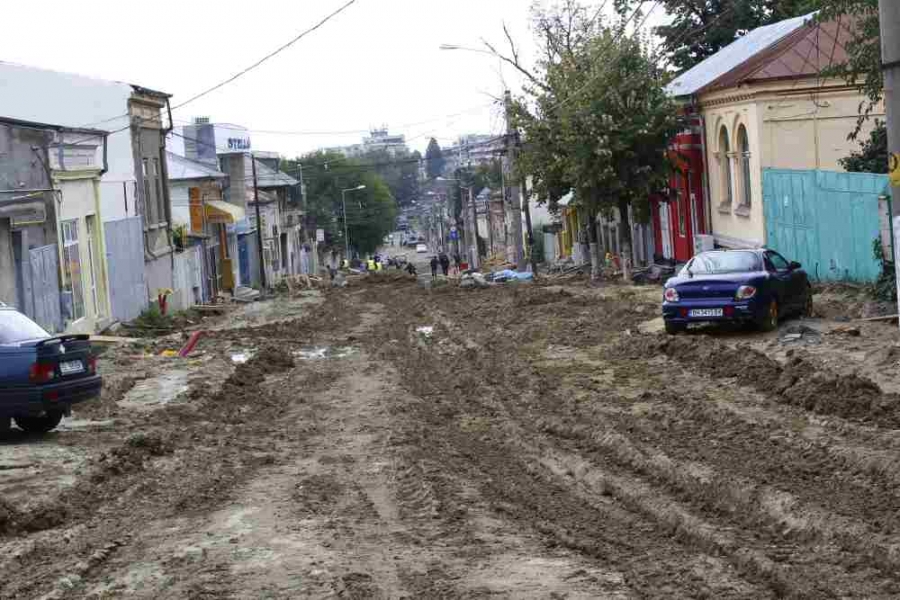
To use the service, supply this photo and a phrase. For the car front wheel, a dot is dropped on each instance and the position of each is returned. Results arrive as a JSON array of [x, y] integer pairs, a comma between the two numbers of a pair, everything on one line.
[[769, 320], [42, 424], [808, 305]]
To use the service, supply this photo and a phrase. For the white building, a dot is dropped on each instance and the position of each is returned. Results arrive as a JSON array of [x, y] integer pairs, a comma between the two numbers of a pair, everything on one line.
[[379, 140], [135, 183]]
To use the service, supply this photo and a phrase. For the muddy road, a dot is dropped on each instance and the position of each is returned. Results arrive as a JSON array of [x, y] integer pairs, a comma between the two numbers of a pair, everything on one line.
[[391, 441]]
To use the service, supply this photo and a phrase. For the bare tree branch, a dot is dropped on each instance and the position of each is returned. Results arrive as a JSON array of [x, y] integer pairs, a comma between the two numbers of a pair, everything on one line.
[[514, 61]]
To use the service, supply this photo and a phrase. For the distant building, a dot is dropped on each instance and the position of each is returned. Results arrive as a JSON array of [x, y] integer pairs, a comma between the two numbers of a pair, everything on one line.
[[473, 150], [228, 148], [379, 140]]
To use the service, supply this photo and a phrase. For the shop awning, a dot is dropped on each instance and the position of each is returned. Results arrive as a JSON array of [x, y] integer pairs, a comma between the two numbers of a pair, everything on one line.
[[220, 212]]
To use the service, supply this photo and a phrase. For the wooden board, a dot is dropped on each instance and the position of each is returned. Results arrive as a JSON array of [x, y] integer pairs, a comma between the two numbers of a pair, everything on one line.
[[111, 339]]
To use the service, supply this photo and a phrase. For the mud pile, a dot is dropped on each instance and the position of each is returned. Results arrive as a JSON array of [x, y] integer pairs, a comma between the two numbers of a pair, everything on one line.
[[800, 382]]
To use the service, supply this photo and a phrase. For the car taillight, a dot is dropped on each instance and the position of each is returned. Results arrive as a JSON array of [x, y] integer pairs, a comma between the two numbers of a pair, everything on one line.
[[92, 365], [42, 372], [671, 295], [745, 292]]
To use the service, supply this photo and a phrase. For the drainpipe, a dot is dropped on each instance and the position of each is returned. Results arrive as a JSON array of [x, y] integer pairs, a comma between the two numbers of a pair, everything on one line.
[[707, 200], [105, 157], [164, 171]]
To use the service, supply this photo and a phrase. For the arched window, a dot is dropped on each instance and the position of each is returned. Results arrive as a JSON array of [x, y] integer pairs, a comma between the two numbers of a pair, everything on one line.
[[744, 149], [726, 177]]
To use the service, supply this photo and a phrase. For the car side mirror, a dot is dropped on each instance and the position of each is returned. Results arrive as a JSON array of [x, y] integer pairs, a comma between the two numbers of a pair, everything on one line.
[[794, 265]]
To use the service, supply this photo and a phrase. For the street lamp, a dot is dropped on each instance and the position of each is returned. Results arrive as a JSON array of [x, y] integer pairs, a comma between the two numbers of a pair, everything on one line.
[[467, 49], [344, 207]]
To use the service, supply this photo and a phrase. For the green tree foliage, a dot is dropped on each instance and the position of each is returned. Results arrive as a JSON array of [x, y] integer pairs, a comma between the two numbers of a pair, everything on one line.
[[700, 28], [400, 171], [434, 159], [863, 67], [598, 120], [371, 213], [872, 156]]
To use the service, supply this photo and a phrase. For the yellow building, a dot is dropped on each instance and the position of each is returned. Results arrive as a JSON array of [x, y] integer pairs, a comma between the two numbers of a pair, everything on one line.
[[765, 105]]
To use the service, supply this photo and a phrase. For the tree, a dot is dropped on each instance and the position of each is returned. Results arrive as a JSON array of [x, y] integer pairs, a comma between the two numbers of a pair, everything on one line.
[[434, 159], [598, 122], [700, 28], [400, 171], [371, 213], [872, 156], [863, 67]]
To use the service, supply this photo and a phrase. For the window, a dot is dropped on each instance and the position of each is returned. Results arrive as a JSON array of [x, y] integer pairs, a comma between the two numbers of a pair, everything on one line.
[[149, 213], [744, 148], [726, 175], [724, 262], [681, 206], [72, 268], [778, 262], [160, 202], [16, 327]]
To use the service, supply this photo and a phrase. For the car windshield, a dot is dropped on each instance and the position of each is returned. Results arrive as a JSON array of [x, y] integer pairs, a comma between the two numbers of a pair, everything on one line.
[[724, 262], [16, 327]]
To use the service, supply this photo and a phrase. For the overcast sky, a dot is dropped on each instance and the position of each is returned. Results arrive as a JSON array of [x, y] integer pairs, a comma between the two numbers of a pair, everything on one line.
[[377, 63]]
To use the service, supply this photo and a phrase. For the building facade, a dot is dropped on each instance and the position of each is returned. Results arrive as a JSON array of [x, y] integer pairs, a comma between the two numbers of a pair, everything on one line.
[[134, 184], [52, 250]]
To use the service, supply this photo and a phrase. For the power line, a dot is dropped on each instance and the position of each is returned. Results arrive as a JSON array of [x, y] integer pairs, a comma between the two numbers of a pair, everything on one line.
[[240, 73], [278, 50]]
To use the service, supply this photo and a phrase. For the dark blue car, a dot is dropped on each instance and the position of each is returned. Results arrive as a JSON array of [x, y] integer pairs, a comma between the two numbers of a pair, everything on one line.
[[42, 376], [736, 286]]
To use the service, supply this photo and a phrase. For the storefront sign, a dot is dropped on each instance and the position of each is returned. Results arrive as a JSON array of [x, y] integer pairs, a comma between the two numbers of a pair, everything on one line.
[[320, 236], [236, 143]]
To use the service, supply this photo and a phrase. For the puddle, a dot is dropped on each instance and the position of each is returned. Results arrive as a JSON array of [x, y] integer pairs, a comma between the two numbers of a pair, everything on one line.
[[74, 424], [239, 358], [323, 352], [161, 389], [426, 330]]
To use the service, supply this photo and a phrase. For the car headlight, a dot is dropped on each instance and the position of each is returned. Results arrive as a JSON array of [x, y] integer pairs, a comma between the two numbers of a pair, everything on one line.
[[671, 295], [745, 292]]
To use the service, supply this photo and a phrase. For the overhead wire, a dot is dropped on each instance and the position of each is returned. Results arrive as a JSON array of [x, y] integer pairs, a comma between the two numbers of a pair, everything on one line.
[[237, 75]]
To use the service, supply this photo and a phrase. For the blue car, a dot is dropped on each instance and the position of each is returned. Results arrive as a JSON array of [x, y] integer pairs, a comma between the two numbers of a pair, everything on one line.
[[736, 286], [42, 376]]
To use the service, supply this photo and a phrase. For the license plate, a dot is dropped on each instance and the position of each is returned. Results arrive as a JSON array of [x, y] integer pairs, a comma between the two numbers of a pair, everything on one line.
[[706, 312], [71, 367]]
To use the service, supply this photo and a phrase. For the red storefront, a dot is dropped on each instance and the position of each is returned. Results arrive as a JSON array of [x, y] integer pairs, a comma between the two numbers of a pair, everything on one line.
[[678, 213]]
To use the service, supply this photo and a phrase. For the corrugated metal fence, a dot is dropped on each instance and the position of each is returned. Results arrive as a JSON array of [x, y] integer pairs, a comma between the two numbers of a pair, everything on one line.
[[825, 220], [125, 261]]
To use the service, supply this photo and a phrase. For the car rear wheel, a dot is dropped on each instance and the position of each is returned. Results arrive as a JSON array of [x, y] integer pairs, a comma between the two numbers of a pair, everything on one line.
[[674, 328], [770, 319], [42, 424]]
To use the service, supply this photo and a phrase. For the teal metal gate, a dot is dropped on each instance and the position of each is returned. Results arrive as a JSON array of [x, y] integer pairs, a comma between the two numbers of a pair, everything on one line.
[[825, 220]]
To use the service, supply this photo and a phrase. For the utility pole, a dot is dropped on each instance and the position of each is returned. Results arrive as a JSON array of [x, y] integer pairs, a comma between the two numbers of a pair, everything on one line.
[[476, 258], [514, 192], [259, 227], [530, 233], [889, 18]]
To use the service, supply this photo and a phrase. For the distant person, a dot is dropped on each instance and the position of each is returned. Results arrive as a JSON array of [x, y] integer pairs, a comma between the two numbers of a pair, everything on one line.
[[457, 262], [411, 269], [434, 266], [445, 263]]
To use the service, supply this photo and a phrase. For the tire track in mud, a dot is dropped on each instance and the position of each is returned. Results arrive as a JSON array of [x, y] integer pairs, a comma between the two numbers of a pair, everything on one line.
[[802, 548], [526, 492], [178, 462]]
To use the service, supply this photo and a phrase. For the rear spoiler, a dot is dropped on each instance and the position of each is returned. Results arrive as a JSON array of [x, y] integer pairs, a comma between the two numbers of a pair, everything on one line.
[[64, 338]]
